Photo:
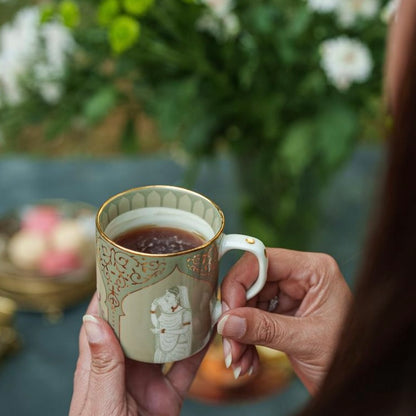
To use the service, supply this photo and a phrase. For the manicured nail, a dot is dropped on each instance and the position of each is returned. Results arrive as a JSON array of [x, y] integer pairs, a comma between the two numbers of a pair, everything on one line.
[[228, 360], [227, 352], [92, 329], [237, 372], [221, 323], [232, 326]]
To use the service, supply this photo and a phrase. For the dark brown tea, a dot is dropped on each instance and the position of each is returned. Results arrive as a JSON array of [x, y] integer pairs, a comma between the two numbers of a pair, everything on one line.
[[159, 240]]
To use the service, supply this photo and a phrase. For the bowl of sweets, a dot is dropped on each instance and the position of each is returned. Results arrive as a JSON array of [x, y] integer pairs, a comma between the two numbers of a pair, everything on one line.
[[47, 259]]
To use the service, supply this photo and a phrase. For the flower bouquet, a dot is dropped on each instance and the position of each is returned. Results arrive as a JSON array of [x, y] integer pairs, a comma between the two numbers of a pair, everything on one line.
[[286, 87]]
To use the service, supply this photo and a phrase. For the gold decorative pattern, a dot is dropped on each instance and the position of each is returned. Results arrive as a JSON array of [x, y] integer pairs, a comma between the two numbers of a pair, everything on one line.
[[124, 273], [204, 264]]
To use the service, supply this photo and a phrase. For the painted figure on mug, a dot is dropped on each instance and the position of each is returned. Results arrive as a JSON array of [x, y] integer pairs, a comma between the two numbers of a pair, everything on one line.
[[171, 317]]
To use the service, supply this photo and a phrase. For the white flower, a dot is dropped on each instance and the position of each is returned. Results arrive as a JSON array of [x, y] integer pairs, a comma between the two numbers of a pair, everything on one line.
[[28, 48], [58, 44], [208, 23], [224, 28], [323, 6], [231, 25], [219, 21], [17, 43], [219, 8], [390, 10], [51, 92], [345, 61], [348, 11]]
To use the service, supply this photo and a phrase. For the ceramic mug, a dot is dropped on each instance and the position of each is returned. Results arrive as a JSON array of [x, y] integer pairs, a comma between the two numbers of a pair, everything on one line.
[[163, 307]]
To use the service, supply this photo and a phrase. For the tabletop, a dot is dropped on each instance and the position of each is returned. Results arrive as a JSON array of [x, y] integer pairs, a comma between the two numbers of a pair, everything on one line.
[[37, 379]]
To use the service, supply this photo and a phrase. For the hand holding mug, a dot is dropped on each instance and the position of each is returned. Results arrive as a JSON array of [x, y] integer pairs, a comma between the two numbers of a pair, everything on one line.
[[107, 383], [300, 311]]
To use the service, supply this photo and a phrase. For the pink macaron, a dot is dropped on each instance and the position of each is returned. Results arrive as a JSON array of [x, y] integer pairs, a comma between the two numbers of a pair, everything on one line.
[[55, 262], [41, 219]]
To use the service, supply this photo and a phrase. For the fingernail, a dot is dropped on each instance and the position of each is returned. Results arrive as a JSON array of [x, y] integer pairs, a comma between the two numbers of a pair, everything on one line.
[[250, 371], [92, 329], [221, 323], [232, 326], [228, 360], [225, 307], [227, 353], [237, 372]]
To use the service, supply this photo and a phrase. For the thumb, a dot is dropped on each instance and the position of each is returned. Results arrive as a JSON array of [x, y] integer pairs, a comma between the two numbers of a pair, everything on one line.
[[257, 327], [106, 386]]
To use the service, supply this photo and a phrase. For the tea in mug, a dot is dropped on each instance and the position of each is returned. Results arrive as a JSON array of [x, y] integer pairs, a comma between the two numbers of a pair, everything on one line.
[[159, 240]]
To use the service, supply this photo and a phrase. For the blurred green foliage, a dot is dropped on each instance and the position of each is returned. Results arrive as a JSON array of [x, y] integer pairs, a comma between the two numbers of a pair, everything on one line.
[[258, 92]]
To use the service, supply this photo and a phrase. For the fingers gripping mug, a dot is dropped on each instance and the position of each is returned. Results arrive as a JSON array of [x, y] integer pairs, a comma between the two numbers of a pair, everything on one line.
[[158, 252]]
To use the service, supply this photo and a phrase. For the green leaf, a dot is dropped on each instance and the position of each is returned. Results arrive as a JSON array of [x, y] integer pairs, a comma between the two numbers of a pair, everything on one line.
[[296, 148], [100, 104], [256, 225], [128, 138], [313, 83], [200, 133], [69, 12], [47, 13], [124, 33], [336, 127], [299, 22], [263, 18], [137, 7], [107, 12], [173, 105]]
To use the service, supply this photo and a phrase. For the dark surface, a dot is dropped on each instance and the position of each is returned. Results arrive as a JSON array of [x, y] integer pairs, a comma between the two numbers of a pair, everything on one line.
[[37, 380]]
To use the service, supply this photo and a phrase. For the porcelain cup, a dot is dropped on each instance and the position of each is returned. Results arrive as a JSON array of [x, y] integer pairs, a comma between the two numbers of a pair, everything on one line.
[[163, 307]]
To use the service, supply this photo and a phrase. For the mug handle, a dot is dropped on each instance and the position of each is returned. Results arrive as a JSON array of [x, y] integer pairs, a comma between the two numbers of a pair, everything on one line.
[[252, 245]]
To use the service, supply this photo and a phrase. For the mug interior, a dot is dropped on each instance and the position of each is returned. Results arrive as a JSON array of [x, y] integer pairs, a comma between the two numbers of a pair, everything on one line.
[[166, 206]]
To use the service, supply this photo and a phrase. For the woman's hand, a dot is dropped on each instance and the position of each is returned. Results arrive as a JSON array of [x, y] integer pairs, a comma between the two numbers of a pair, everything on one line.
[[106, 383], [300, 311]]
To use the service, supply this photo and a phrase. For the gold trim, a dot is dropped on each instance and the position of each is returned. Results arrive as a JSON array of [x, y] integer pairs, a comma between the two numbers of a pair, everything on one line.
[[250, 240], [168, 187]]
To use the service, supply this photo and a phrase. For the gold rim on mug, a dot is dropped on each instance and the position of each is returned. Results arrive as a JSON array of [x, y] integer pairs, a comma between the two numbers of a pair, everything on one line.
[[177, 188]]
